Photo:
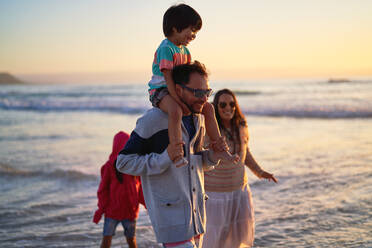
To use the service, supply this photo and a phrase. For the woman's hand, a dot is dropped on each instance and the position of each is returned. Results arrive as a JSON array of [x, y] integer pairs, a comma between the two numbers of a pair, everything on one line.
[[268, 176]]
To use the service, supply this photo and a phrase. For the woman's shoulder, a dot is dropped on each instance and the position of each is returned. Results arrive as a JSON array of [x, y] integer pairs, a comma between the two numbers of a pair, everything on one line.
[[243, 123]]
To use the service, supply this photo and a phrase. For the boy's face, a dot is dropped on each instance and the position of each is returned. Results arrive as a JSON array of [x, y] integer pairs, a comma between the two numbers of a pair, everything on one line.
[[184, 37]]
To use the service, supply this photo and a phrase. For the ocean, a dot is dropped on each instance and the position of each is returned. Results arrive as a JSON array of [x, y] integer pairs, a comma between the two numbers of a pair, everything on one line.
[[314, 136]]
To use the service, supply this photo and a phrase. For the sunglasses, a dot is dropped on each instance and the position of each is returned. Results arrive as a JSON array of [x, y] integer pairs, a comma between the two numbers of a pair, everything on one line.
[[224, 104], [199, 93]]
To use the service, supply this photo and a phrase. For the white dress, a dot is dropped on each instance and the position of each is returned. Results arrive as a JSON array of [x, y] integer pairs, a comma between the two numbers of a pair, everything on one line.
[[230, 219], [230, 215]]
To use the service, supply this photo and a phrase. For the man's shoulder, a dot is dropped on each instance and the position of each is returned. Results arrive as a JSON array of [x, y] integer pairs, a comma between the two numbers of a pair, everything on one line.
[[153, 121], [152, 114]]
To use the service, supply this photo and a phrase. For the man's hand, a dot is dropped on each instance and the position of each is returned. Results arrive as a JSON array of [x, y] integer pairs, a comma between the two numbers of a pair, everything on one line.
[[175, 151]]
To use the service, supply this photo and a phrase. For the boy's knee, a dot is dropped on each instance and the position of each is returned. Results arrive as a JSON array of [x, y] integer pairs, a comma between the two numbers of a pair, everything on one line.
[[175, 111]]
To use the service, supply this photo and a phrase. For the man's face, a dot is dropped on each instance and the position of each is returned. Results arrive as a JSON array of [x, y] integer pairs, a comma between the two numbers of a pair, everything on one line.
[[197, 81]]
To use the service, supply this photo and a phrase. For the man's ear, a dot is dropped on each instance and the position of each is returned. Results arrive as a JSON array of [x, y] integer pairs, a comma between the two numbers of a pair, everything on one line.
[[179, 90]]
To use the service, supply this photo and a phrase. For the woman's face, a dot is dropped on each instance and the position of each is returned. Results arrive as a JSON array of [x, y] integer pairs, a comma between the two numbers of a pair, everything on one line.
[[226, 107]]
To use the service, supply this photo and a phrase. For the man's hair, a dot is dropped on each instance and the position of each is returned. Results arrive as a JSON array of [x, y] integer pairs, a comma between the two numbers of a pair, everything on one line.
[[180, 16], [181, 73]]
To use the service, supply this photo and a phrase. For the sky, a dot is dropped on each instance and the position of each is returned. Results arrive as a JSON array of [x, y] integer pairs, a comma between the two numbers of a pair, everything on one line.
[[113, 41]]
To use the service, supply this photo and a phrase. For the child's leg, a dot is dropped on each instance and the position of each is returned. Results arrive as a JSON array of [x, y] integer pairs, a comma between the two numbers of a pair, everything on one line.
[[106, 242], [132, 243], [213, 131], [109, 227], [129, 227], [170, 106]]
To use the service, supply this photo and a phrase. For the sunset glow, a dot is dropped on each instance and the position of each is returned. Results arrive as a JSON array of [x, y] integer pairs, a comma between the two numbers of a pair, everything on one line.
[[114, 41]]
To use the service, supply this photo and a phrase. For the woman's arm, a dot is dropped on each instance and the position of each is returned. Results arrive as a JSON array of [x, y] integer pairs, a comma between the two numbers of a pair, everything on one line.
[[251, 163]]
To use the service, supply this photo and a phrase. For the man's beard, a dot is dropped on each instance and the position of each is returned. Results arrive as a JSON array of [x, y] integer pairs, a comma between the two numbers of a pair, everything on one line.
[[191, 108]]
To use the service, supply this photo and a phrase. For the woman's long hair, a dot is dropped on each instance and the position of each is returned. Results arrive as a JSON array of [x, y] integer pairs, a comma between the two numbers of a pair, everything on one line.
[[238, 118]]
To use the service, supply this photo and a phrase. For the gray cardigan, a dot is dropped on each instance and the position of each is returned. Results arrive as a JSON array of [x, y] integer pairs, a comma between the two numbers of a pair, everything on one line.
[[175, 197]]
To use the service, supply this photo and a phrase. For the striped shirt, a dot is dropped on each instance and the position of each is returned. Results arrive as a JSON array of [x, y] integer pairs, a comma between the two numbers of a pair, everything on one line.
[[166, 57], [227, 176]]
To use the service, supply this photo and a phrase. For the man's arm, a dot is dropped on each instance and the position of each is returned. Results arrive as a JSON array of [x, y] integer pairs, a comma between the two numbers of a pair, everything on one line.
[[135, 160]]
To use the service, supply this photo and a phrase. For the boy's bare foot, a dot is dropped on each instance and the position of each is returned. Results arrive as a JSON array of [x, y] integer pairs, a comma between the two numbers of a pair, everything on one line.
[[219, 145], [227, 156]]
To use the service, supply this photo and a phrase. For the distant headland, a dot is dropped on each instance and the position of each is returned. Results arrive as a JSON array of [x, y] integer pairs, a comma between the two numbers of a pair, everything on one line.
[[339, 80], [6, 78]]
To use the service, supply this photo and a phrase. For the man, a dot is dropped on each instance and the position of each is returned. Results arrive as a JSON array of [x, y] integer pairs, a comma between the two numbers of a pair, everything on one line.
[[174, 197]]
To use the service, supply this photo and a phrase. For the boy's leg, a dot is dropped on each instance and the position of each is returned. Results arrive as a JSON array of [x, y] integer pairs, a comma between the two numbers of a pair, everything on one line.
[[106, 242], [132, 243], [109, 228], [170, 106], [213, 132], [129, 227]]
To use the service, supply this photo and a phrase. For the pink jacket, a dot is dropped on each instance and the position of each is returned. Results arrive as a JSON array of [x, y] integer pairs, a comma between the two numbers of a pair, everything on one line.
[[118, 200]]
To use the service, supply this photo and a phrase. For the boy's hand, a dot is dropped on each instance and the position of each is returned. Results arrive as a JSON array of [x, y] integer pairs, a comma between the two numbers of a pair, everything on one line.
[[97, 216]]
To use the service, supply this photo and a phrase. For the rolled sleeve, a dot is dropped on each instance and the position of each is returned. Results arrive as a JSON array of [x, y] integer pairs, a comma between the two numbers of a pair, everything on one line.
[[140, 165], [208, 163]]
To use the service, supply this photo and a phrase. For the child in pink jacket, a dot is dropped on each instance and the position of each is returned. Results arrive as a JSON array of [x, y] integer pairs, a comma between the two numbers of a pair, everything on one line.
[[119, 196]]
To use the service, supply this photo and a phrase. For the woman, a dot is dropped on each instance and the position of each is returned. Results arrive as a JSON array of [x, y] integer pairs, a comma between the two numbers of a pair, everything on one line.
[[230, 216]]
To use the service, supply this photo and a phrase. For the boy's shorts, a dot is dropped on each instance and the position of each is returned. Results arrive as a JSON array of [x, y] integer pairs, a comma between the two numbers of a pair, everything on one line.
[[110, 225], [157, 94]]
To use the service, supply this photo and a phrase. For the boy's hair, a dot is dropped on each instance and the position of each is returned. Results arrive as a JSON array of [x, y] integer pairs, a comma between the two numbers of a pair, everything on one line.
[[181, 73], [180, 16]]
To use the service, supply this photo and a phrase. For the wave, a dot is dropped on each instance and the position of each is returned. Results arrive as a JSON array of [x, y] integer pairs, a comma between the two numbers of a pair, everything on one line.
[[18, 94], [275, 100], [34, 137], [348, 81], [67, 175], [246, 92], [328, 112], [75, 106], [314, 113]]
